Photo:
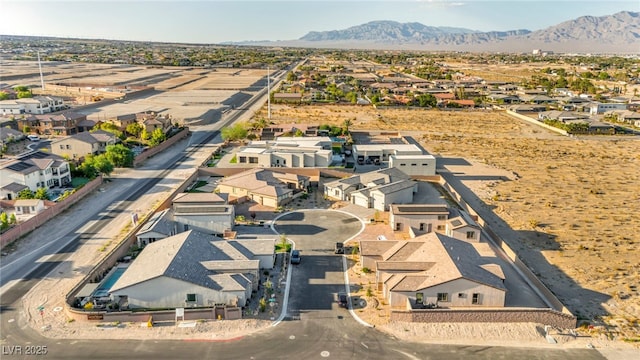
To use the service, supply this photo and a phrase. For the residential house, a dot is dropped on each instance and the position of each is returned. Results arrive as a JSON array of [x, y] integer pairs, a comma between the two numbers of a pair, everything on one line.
[[158, 227], [34, 170], [265, 187], [287, 152], [9, 135], [376, 189], [34, 105], [208, 213], [418, 219], [601, 108], [194, 269], [434, 270], [414, 165], [79, 145], [381, 152], [59, 124], [151, 120]]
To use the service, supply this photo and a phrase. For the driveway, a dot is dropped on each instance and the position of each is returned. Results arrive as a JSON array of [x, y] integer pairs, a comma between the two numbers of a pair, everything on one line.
[[319, 276]]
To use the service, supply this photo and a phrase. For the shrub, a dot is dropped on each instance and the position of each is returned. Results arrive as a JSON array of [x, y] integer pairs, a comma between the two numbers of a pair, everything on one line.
[[366, 270], [263, 304]]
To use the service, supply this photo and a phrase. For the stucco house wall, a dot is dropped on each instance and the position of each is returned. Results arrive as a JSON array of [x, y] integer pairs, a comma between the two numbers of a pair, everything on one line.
[[460, 294], [166, 292]]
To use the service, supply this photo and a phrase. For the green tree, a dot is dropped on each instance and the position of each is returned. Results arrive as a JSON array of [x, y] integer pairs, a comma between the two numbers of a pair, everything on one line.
[[345, 126], [87, 169], [4, 221], [26, 194], [234, 132], [144, 135], [24, 94], [112, 128], [425, 100], [4, 95], [26, 129], [42, 194], [157, 137], [102, 164], [134, 129], [12, 219], [119, 155]]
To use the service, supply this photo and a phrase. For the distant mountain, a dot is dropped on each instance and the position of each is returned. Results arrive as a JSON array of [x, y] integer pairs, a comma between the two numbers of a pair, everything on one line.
[[618, 33], [382, 31]]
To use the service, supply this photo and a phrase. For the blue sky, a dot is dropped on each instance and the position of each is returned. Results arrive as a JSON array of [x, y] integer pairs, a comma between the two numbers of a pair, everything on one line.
[[215, 21]]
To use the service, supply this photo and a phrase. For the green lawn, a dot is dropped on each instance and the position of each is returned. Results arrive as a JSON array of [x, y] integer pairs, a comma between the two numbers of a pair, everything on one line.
[[79, 181]]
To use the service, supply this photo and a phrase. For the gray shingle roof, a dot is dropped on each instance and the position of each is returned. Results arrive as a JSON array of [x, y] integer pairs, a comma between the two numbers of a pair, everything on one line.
[[192, 257]]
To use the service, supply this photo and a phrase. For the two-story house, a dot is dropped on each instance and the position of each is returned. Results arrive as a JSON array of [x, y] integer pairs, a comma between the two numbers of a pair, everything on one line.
[[82, 144], [33, 170]]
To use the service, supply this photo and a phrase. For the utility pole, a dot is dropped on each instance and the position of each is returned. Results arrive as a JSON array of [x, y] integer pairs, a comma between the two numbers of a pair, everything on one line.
[[268, 94], [40, 67]]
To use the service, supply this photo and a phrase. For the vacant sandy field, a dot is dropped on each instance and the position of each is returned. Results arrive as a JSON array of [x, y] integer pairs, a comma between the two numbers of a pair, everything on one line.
[[573, 214]]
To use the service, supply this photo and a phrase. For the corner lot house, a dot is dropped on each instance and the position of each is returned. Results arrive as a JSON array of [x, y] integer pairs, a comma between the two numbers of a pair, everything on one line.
[[194, 269], [418, 219], [414, 165], [434, 270]]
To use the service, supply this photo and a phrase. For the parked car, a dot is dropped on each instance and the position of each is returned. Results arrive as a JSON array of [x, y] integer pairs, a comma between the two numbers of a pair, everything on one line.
[[343, 300], [33, 137], [295, 257]]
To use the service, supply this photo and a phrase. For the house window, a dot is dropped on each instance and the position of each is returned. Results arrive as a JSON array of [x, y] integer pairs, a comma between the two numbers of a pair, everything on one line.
[[191, 297], [414, 164], [462, 295], [425, 164], [442, 217], [419, 298], [243, 159], [440, 227], [471, 234], [403, 164], [443, 297], [422, 226], [336, 192], [253, 160], [398, 226], [475, 299], [62, 147]]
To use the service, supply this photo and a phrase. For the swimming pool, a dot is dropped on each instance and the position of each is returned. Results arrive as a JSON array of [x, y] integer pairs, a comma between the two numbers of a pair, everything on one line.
[[108, 282]]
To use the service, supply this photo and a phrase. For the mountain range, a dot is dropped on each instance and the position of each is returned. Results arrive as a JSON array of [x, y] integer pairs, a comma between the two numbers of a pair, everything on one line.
[[617, 33]]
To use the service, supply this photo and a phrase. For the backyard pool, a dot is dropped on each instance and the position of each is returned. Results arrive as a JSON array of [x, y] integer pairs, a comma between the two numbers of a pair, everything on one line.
[[108, 282]]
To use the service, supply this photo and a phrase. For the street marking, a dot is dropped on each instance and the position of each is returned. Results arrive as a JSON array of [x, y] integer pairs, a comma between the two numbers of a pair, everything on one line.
[[365, 345], [325, 354]]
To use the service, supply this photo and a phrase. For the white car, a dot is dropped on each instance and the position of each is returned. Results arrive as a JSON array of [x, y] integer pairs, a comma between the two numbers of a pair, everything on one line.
[[33, 137]]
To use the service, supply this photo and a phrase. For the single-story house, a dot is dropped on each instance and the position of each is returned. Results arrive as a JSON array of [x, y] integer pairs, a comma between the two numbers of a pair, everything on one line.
[[434, 270], [342, 189], [266, 187], [194, 269]]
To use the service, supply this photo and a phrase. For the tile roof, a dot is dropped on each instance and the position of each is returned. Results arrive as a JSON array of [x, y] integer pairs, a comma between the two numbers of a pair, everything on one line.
[[442, 258]]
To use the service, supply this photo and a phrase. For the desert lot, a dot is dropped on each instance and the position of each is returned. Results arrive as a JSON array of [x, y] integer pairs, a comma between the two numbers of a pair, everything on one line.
[[571, 209]]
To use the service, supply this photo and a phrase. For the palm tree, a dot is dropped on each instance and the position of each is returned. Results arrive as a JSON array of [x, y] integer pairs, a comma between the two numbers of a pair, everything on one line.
[[345, 126]]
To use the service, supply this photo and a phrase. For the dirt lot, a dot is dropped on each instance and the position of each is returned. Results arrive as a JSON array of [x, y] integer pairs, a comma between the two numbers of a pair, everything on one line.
[[573, 213]]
